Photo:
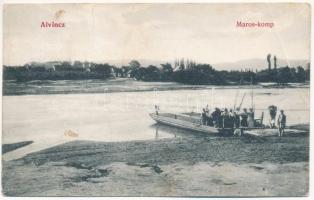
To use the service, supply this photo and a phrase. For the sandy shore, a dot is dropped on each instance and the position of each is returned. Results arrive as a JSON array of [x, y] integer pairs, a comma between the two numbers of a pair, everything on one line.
[[209, 166]]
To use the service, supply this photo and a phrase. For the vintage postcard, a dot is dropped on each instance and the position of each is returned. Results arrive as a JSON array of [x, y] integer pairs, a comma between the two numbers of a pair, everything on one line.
[[156, 99]]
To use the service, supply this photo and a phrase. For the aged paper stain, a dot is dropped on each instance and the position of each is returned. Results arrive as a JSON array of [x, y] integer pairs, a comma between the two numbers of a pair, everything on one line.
[[59, 14]]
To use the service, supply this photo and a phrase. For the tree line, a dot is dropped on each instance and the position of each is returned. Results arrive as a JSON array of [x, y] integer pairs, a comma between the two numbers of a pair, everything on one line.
[[184, 71], [190, 72], [58, 71]]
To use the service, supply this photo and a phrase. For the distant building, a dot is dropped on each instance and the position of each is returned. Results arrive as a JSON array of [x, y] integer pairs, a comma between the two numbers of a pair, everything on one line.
[[86, 65], [112, 73]]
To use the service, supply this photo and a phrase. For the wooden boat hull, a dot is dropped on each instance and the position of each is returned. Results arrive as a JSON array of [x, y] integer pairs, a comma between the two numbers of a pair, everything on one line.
[[193, 123], [177, 122]]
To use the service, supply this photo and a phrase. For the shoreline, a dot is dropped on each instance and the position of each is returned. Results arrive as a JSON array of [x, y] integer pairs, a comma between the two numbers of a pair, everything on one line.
[[38, 88], [209, 166], [173, 150], [9, 147]]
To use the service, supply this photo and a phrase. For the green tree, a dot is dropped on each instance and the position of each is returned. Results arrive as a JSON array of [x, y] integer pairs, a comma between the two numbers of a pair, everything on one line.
[[300, 74], [284, 75], [166, 72], [102, 69], [134, 64], [152, 73]]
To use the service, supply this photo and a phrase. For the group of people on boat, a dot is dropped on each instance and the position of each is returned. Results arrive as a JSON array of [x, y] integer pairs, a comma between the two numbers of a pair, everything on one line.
[[228, 118], [234, 119], [237, 120]]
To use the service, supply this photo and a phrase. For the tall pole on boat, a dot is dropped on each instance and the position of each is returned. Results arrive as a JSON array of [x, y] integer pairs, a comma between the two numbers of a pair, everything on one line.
[[236, 97], [212, 98], [252, 98], [240, 105]]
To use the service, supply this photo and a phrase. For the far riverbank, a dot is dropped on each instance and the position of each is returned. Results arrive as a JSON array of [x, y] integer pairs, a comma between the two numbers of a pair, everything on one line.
[[37, 87]]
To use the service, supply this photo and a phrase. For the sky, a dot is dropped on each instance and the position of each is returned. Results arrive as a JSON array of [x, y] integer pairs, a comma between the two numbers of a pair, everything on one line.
[[206, 33]]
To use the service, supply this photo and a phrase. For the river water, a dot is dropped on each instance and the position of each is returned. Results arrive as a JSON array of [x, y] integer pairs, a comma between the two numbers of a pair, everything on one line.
[[49, 120]]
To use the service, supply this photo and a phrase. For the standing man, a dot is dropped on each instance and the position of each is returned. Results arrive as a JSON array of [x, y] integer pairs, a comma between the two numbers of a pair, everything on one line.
[[282, 119], [250, 120], [244, 117], [225, 118], [204, 117], [236, 115], [272, 112], [216, 116]]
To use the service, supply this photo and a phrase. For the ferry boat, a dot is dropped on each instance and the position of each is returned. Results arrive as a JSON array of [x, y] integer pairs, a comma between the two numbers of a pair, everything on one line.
[[192, 122]]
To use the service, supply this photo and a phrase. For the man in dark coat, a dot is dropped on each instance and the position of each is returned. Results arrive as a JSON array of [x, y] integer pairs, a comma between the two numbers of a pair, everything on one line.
[[282, 120]]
